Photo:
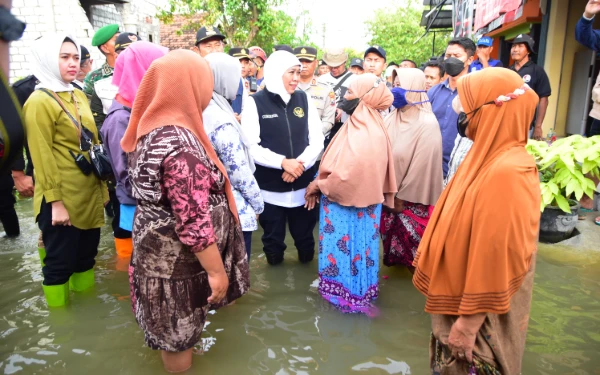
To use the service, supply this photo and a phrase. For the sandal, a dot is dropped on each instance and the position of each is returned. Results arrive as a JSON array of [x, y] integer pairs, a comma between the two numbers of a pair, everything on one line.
[[597, 220]]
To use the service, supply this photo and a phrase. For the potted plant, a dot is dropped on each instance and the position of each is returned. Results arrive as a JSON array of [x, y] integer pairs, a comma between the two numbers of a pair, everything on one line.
[[565, 167]]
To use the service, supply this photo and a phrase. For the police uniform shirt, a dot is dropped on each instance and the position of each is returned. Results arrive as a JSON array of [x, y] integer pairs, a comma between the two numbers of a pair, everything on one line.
[[324, 98], [535, 76], [332, 81]]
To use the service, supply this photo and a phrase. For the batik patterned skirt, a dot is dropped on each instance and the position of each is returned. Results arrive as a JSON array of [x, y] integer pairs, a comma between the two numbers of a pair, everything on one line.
[[402, 232], [348, 256]]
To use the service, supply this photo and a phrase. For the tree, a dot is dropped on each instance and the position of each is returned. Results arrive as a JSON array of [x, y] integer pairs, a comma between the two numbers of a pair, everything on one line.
[[397, 29], [244, 22]]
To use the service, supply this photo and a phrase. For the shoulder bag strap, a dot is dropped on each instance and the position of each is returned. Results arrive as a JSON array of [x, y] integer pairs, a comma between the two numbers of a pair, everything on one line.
[[341, 82], [53, 95]]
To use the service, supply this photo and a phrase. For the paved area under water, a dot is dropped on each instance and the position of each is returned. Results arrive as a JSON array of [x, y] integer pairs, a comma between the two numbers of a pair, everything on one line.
[[282, 326]]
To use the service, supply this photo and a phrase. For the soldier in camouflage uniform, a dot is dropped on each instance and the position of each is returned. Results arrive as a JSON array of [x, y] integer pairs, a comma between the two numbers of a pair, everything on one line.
[[104, 39]]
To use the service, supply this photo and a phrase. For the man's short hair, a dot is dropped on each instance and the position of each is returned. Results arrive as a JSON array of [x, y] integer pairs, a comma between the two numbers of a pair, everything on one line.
[[436, 64], [410, 61], [466, 43]]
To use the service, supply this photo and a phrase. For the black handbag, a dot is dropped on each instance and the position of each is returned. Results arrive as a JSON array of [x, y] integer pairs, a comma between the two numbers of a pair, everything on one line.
[[99, 158]]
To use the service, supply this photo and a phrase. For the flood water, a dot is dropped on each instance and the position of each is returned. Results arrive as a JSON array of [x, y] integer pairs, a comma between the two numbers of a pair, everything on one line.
[[282, 326]]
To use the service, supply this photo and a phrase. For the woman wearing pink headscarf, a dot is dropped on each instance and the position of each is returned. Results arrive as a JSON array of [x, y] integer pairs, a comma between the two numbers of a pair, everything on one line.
[[130, 67]]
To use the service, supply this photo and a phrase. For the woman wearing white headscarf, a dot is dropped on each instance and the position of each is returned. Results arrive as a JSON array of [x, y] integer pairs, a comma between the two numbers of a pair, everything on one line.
[[230, 143], [68, 199], [285, 137]]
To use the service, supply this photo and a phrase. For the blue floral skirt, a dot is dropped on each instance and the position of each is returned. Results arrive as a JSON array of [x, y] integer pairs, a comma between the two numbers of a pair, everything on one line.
[[348, 256]]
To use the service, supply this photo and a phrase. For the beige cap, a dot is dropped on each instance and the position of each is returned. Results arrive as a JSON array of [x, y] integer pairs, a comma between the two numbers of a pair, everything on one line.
[[335, 57]]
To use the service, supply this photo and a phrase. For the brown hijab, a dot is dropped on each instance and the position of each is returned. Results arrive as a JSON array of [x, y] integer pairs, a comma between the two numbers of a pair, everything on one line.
[[480, 240], [159, 102], [357, 168], [416, 143]]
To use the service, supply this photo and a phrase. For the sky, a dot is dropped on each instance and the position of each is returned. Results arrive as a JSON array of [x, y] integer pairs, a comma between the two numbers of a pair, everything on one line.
[[343, 19]]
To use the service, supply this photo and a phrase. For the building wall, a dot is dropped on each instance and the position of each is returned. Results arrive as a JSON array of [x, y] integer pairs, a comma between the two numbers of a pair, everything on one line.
[[560, 58], [172, 40], [43, 16]]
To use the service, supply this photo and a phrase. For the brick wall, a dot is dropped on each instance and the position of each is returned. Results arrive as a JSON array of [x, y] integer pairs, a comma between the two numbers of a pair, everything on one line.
[[169, 37], [44, 16]]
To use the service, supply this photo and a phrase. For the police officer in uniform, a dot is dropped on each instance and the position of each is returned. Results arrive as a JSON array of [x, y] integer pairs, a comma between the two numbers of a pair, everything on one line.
[[321, 94], [323, 68], [237, 104], [283, 47], [356, 66], [208, 40], [105, 39], [533, 75], [338, 79]]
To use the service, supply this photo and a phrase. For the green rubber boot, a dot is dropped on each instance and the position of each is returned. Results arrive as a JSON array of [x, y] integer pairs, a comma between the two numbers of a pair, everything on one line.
[[42, 252], [81, 281], [56, 295]]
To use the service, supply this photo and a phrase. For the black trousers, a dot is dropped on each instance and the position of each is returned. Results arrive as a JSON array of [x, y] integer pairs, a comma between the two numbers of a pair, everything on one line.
[[301, 225], [248, 242], [8, 214], [68, 249], [118, 232]]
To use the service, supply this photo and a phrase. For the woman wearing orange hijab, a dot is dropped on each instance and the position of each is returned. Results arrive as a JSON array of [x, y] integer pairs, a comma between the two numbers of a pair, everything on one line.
[[188, 254], [355, 177], [476, 261]]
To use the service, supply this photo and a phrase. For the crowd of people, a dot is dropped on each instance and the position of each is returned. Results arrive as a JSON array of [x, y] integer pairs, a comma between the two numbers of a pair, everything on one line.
[[421, 160]]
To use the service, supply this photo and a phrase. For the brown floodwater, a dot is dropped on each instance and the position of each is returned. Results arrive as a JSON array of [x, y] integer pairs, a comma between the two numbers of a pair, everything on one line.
[[282, 326]]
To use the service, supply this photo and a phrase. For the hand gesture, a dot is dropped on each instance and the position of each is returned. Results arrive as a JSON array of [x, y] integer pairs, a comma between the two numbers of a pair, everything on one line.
[[24, 184], [311, 201], [461, 341], [538, 135], [592, 8], [483, 54], [218, 285], [338, 115], [293, 167], [288, 178], [60, 215], [313, 189]]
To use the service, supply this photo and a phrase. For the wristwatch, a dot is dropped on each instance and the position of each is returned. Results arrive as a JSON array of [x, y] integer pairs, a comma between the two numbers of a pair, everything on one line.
[[11, 28]]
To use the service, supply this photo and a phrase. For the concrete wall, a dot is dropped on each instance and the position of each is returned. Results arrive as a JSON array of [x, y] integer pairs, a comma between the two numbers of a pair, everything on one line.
[[560, 56], [43, 16]]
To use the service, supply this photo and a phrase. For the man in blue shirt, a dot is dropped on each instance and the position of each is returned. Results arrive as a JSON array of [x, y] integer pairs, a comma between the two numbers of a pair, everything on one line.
[[484, 50], [459, 56]]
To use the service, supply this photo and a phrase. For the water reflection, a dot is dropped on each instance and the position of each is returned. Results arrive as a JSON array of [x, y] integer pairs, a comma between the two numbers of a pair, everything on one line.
[[282, 326]]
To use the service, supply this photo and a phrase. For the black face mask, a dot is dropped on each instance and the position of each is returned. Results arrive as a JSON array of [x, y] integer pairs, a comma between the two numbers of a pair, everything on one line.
[[349, 106], [463, 120], [454, 66], [462, 123]]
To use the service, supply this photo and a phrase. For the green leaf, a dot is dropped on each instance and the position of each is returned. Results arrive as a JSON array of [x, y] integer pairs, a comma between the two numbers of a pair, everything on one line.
[[562, 203], [553, 187], [588, 165]]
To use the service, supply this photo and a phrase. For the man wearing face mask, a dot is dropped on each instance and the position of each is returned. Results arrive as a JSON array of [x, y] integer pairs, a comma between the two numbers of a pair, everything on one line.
[[459, 56], [339, 79]]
